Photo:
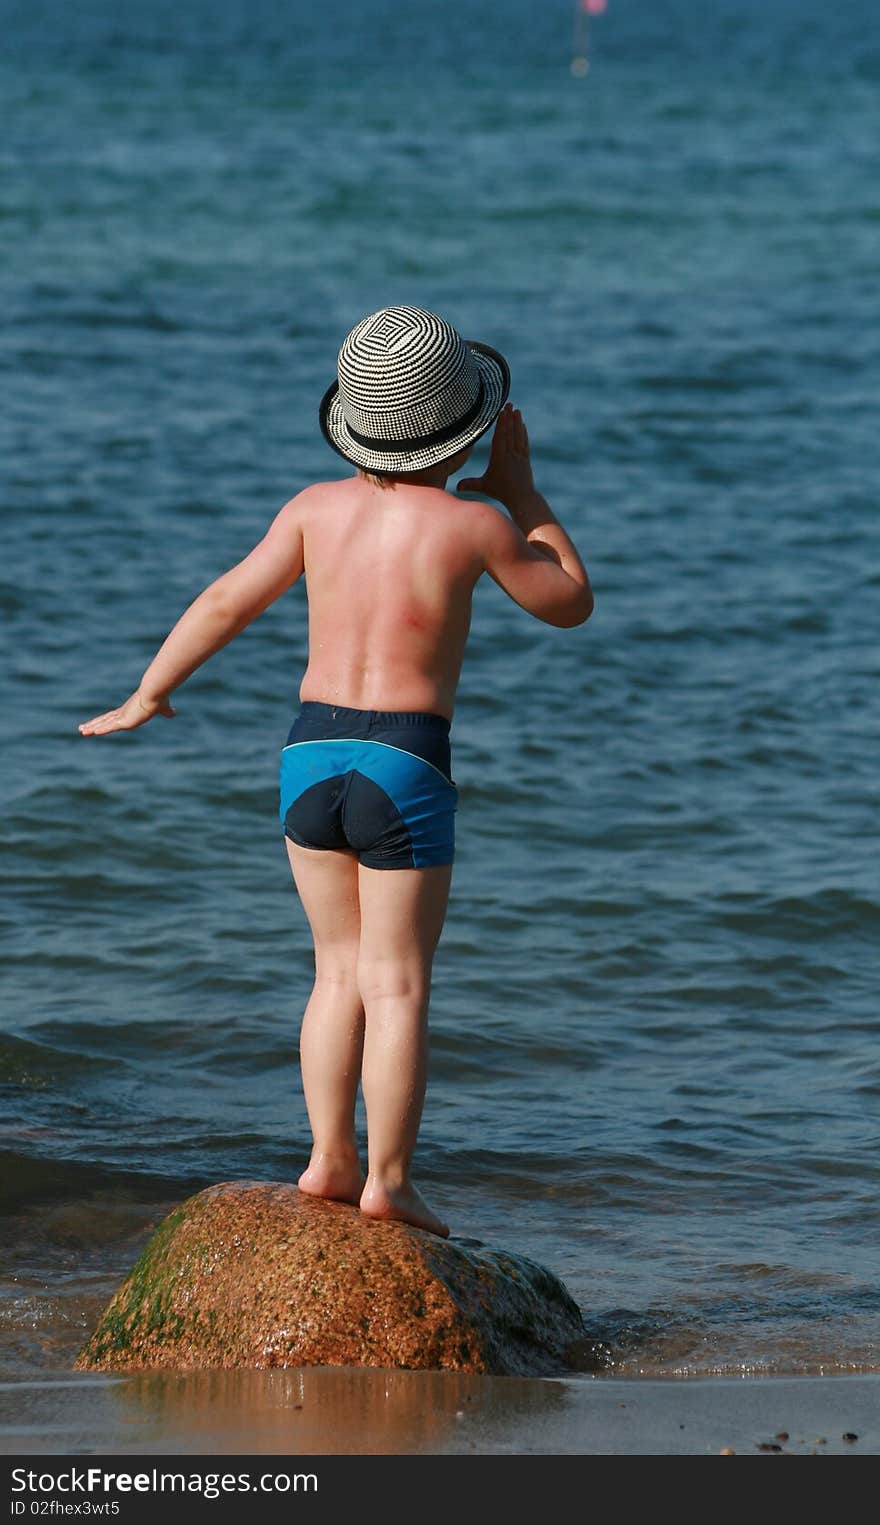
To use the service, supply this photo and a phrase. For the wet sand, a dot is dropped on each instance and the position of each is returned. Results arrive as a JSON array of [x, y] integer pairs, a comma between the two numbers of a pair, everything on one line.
[[325, 1411]]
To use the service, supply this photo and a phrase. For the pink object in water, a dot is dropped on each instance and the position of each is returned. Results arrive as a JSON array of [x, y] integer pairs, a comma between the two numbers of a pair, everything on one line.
[[594, 7]]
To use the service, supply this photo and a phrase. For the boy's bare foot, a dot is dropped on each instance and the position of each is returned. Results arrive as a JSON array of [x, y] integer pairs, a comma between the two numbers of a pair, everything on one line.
[[402, 1204], [337, 1177]]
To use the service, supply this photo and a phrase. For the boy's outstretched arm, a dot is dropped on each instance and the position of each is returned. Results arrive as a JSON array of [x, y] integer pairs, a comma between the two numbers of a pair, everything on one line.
[[219, 613], [532, 559]]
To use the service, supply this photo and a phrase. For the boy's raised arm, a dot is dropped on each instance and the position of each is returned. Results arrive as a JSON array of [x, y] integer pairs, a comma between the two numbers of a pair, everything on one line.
[[213, 619], [532, 559]]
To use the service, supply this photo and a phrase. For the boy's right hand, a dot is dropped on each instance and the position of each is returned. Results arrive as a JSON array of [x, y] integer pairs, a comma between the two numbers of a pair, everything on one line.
[[508, 476], [134, 712]]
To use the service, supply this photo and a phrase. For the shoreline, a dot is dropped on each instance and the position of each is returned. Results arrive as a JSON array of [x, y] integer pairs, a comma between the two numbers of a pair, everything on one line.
[[370, 1411]]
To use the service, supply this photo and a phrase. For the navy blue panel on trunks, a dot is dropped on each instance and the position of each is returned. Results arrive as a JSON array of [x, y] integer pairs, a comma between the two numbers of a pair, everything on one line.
[[377, 782]]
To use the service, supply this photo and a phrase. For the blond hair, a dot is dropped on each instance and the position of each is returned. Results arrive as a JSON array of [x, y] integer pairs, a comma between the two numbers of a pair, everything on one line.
[[374, 480]]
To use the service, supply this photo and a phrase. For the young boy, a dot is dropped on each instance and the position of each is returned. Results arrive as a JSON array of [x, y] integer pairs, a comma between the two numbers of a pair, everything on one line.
[[367, 799]]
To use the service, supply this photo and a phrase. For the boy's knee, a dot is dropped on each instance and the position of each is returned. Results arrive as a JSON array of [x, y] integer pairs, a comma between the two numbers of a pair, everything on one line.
[[391, 979], [337, 969]]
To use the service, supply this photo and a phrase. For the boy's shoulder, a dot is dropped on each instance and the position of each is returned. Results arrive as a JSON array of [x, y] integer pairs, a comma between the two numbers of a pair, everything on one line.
[[472, 519], [313, 495], [314, 491], [489, 521]]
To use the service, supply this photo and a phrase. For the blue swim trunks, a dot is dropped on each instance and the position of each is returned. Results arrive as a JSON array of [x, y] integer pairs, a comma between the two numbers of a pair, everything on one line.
[[375, 782]]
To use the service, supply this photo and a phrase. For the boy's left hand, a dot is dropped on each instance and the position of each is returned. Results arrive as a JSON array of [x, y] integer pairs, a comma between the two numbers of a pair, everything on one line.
[[134, 712], [508, 476]]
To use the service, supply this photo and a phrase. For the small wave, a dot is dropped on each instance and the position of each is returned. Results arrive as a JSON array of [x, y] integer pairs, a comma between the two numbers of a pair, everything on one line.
[[35, 1065], [29, 1179], [833, 912], [108, 317]]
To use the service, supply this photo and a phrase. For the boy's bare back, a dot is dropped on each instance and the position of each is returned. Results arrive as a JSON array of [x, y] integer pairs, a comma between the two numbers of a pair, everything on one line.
[[390, 576]]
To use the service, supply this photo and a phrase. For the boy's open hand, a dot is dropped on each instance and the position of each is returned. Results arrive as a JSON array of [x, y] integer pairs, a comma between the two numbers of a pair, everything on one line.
[[135, 711], [508, 475]]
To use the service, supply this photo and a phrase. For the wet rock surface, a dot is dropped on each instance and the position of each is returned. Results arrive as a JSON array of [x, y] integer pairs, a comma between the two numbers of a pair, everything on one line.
[[255, 1274]]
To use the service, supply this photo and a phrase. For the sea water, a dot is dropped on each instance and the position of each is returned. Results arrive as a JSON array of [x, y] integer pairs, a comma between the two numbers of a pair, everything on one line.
[[655, 1062]]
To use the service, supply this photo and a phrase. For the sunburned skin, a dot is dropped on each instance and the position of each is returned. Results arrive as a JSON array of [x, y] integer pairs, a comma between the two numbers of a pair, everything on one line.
[[390, 573], [390, 576]]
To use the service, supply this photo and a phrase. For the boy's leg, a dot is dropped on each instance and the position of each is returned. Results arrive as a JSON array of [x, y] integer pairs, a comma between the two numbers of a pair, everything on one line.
[[332, 1035], [402, 913]]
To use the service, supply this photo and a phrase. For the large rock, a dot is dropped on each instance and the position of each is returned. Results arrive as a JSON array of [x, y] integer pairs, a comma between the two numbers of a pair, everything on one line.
[[252, 1274]]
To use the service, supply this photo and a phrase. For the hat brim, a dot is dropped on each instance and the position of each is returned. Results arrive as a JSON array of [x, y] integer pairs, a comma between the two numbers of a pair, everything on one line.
[[495, 376]]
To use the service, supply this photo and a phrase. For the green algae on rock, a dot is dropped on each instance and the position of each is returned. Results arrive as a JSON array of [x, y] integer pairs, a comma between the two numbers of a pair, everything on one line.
[[255, 1274]]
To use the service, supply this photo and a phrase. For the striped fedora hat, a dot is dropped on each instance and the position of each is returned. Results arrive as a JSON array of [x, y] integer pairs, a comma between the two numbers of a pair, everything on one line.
[[410, 392]]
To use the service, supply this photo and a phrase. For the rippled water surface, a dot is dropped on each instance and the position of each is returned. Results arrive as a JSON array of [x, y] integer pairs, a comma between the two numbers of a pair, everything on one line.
[[655, 1059]]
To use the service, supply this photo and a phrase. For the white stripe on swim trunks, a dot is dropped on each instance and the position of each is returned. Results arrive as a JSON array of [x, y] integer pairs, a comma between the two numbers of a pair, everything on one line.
[[362, 741]]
